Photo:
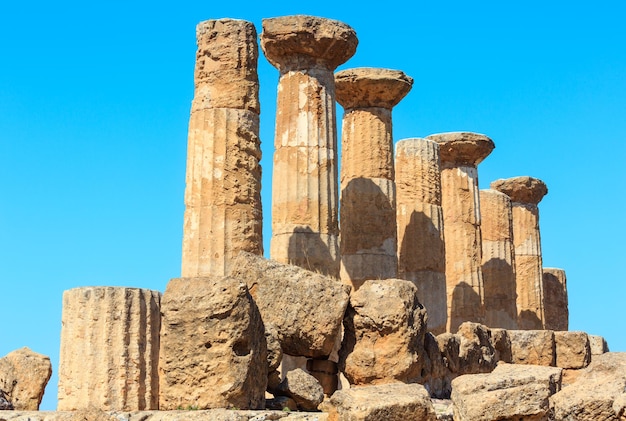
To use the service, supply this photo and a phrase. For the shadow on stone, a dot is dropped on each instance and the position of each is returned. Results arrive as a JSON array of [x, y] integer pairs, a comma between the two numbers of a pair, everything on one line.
[[528, 320], [500, 294], [308, 251], [466, 306]]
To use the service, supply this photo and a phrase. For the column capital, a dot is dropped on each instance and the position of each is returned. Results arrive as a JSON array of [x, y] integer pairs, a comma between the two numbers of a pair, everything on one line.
[[301, 42], [371, 87], [522, 189], [463, 148]]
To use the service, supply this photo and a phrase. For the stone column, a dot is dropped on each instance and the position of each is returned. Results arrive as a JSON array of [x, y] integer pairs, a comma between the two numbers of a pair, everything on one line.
[[306, 50], [498, 263], [555, 302], [223, 213], [421, 249], [109, 349], [526, 193], [368, 192], [461, 152]]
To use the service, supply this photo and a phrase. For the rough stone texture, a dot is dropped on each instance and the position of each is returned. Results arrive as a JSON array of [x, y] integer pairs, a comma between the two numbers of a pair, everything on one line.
[[274, 351], [476, 352], [302, 388], [510, 392], [368, 191], [502, 345], [572, 349], [109, 349], [384, 330], [306, 50], [593, 395], [598, 345], [619, 406], [24, 375], [213, 348], [460, 154], [525, 194], [535, 347], [182, 415], [281, 403], [556, 312], [435, 374], [306, 308], [325, 371], [421, 249], [498, 263], [389, 402], [223, 213]]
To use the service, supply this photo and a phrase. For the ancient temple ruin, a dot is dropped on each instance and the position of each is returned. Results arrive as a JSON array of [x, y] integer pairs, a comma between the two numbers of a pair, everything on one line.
[[419, 281]]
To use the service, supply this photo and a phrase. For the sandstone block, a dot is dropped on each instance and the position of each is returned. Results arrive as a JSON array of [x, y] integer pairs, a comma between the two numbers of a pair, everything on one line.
[[384, 330], [389, 402], [24, 375], [476, 352], [510, 392], [213, 348], [572, 349], [555, 301], [109, 349], [306, 308], [535, 347], [435, 374], [593, 395], [302, 388], [502, 345], [598, 345]]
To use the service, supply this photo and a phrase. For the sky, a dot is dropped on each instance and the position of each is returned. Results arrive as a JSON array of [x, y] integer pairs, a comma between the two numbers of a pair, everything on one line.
[[94, 108]]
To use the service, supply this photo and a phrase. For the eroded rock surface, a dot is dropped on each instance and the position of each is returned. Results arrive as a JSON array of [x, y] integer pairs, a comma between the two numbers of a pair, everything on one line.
[[24, 375], [535, 347], [572, 349]]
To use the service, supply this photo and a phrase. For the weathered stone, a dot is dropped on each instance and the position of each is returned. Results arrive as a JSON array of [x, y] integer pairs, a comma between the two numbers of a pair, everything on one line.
[[274, 350], [556, 313], [326, 372], [460, 154], [368, 191], [535, 347], [594, 393], [306, 308], [435, 374], [502, 345], [510, 392], [619, 406], [449, 346], [109, 349], [525, 194], [384, 330], [389, 402], [498, 263], [421, 250], [306, 50], [223, 213], [213, 349], [572, 349], [476, 353], [598, 345], [281, 403], [302, 388], [24, 375]]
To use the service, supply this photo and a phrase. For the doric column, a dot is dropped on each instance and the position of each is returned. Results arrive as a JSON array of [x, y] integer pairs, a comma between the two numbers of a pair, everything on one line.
[[555, 302], [461, 152], [109, 349], [498, 259], [223, 213], [306, 50], [526, 193], [368, 193], [421, 249]]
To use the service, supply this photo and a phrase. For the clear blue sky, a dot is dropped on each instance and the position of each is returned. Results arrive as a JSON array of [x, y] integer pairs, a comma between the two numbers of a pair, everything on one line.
[[94, 107]]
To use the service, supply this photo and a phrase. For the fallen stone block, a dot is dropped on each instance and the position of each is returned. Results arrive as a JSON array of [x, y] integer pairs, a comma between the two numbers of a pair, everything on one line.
[[598, 345], [302, 388], [24, 375], [572, 349], [534, 347]]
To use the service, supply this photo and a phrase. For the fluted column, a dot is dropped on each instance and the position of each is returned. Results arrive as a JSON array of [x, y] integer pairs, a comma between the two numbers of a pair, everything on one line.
[[461, 152], [525, 194], [223, 214], [498, 262], [555, 301], [109, 349], [306, 50], [368, 192], [421, 248]]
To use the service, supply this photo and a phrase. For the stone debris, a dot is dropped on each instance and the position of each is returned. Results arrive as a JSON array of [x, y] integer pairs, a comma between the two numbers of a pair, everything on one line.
[[213, 349], [24, 375], [534, 347], [179, 415], [303, 388], [598, 345], [572, 349]]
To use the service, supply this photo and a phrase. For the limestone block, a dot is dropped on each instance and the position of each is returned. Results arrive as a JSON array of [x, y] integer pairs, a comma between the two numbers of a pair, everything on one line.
[[24, 375], [535, 347], [302, 388], [476, 352], [274, 351], [109, 349], [498, 264], [326, 372], [384, 330], [593, 395], [509, 392], [389, 402], [421, 249], [213, 348], [598, 345], [502, 345], [435, 375], [572, 349], [556, 313], [306, 308]]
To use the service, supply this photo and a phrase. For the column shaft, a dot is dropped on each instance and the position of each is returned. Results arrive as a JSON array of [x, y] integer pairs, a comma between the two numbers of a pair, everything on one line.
[[556, 313]]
